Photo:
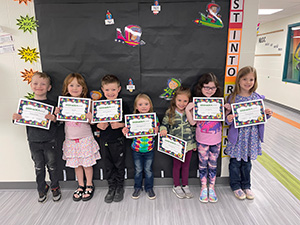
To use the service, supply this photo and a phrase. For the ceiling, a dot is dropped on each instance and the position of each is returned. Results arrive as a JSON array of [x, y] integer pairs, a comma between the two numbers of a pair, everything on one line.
[[290, 8]]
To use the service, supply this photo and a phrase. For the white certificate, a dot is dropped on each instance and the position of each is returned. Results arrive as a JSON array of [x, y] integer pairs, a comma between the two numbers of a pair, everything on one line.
[[107, 111], [140, 124], [208, 109]]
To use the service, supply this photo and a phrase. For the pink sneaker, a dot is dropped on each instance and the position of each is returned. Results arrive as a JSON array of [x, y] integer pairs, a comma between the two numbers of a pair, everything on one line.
[[249, 194], [239, 194]]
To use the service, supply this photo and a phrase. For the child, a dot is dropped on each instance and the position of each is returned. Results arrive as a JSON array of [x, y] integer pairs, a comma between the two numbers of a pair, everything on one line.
[[42, 142], [143, 153], [244, 143], [175, 123], [112, 143], [80, 150], [208, 137]]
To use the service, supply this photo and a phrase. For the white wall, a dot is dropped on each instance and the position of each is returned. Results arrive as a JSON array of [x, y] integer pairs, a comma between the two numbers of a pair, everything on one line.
[[270, 68], [16, 164]]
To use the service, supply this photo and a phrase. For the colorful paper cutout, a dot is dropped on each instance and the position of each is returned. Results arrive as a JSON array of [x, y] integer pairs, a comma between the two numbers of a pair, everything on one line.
[[130, 87], [27, 23], [133, 35], [156, 7], [25, 1], [29, 95], [28, 54], [213, 19], [109, 20], [173, 84], [95, 95], [27, 75]]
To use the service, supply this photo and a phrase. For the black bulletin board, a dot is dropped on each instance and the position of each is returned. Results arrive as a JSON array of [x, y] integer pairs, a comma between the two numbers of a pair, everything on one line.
[[73, 38]]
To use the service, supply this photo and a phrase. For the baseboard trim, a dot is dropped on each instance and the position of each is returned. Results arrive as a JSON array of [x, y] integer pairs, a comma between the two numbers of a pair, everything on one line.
[[283, 106]]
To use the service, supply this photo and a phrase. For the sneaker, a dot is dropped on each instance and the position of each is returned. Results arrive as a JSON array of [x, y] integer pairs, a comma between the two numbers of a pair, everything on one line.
[[119, 194], [56, 194], [44, 194], [151, 194], [178, 192], [239, 194], [212, 195], [188, 193], [109, 197], [203, 195], [136, 194], [249, 194]]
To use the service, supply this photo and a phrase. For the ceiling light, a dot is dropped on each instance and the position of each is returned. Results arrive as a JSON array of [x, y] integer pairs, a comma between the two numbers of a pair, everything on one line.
[[268, 11]]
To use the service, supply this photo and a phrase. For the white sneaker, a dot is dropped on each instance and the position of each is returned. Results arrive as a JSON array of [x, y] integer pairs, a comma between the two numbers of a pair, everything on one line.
[[188, 193], [178, 192]]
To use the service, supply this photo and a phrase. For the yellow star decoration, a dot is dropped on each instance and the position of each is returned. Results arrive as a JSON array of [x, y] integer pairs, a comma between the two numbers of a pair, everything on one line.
[[28, 54], [25, 1], [27, 75]]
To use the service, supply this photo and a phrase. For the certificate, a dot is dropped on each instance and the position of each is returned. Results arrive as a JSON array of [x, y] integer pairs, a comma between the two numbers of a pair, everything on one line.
[[140, 124], [208, 109], [33, 114], [248, 113], [73, 109], [107, 111], [172, 146]]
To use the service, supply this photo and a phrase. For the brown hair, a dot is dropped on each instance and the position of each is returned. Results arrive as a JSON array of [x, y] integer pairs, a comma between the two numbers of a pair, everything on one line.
[[43, 75], [108, 79], [205, 79], [80, 81], [171, 110], [242, 72], [144, 96]]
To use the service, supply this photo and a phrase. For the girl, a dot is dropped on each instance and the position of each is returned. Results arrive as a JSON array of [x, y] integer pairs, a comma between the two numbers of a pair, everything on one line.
[[208, 139], [175, 123], [80, 149], [244, 143], [143, 153]]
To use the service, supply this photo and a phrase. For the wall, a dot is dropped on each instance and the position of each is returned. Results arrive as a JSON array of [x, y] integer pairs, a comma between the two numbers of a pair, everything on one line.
[[270, 68], [16, 164]]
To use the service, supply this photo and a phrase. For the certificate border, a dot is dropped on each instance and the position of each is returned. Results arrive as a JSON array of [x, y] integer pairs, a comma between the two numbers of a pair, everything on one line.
[[31, 123], [140, 134], [106, 119], [170, 153], [197, 117], [238, 124], [73, 118]]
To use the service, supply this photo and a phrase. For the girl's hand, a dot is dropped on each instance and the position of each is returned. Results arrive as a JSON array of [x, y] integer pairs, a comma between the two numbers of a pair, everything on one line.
[[56, 111], [102, 126], [156, 130], [125, 130], [16, 116], [116, 125], [269, 112], [163, 133], [227, 107], [51, 117], [230, 118], [89, 116], [189, 107]]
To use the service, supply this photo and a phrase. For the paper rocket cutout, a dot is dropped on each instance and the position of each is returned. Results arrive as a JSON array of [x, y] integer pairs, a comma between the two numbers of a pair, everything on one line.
[[133, 35]]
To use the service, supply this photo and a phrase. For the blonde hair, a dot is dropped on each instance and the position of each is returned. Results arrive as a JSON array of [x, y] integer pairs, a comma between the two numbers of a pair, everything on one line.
[[42, 75], [80, 81], [144, 96], [242, 72], [171, 110]]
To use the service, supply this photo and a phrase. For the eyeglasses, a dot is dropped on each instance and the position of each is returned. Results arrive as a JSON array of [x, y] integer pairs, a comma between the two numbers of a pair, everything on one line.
[[209, 88]]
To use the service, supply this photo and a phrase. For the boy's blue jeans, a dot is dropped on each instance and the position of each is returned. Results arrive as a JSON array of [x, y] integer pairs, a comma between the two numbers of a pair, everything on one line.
[[143, 163], [44, 154], [239, 173]]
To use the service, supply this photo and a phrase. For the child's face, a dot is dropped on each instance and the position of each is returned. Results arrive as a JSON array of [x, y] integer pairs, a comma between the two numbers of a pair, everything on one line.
[[74, 88], [209, 89], [247, 82], [111, 91], [143, 105], [181, 102], [214, 9], [40, 86], [173, 85]]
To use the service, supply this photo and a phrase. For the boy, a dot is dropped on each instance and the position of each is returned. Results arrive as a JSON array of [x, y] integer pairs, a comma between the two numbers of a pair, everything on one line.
[[112, 143], [42, 142]]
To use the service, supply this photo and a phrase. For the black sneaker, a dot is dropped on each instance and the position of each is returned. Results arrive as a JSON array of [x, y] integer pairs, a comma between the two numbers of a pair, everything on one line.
[[56, 194], [151, 194], [119, 195], [109, 197], [136, 194], [43, 194]]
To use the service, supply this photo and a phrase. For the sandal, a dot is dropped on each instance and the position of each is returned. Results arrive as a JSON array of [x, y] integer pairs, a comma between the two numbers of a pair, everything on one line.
[[88, 192], [79, 193]]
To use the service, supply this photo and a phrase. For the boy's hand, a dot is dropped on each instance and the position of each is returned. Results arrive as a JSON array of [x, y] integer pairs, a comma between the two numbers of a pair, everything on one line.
[[163, 133], [51, 117], [269, 112], [230, 118], [116, 125], [190, 106], [102, 126], [125, 130], [227, 107], [56, 111], [16, 116], [156, 130]]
